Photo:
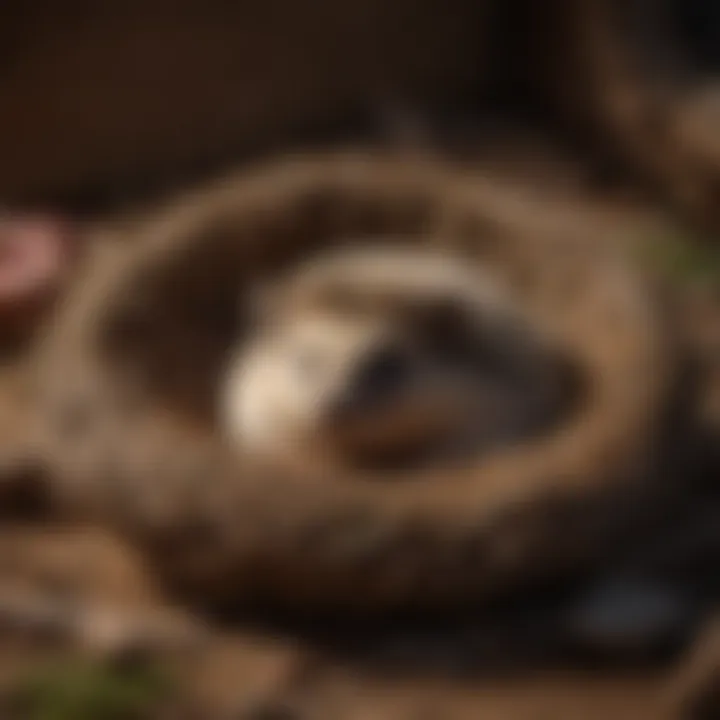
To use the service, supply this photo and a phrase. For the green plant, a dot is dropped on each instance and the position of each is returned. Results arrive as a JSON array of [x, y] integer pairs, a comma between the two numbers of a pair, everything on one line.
[[681, 257], [82, 690]]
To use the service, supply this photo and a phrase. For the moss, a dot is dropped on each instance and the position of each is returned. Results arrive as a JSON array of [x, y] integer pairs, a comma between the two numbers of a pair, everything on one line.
[[82, 690], [681, 257]]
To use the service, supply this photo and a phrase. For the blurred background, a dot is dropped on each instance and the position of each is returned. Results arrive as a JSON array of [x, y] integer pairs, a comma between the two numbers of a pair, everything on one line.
[[109, 101], [606, 109]]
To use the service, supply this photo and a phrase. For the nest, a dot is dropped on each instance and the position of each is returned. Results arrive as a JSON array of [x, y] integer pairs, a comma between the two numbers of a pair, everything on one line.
[[132, 361]]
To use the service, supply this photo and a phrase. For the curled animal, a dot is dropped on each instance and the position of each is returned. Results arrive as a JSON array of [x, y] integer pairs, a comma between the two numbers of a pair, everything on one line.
[[130, 377]]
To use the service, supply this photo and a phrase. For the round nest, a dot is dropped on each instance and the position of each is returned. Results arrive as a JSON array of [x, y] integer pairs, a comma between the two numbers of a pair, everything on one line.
[[128, 375]]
